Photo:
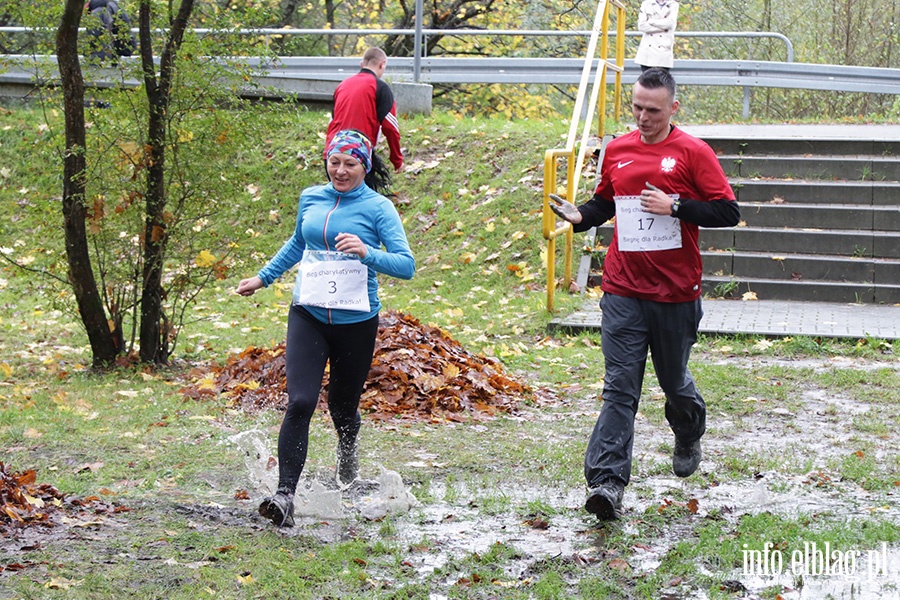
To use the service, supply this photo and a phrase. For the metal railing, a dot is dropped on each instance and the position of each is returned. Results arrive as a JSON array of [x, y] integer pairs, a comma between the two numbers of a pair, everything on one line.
[[594, 70], [422, 35], [287, 74]]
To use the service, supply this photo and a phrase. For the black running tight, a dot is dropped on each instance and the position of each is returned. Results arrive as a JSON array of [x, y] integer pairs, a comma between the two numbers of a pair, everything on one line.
[[310, 344]]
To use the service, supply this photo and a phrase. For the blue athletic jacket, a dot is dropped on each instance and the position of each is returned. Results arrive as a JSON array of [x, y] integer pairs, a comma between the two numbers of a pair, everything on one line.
[[323, 214]]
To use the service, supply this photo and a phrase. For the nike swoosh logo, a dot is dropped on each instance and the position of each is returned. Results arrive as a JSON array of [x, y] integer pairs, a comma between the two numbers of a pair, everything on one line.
[[625, 164]]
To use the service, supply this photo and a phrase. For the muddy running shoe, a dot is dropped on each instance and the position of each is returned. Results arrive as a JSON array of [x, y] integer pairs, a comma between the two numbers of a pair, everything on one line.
[[279, 509], [686, 458], [605, 501]]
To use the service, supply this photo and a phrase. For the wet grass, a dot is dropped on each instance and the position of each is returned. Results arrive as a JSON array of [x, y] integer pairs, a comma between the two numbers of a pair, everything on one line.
[[798, 445]]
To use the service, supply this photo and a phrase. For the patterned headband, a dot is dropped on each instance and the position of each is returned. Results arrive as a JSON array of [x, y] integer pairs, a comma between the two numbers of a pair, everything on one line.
[[352, 142]]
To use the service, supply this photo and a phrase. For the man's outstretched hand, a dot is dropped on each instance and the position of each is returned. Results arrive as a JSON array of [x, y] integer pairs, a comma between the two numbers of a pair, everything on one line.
[[564, 210]]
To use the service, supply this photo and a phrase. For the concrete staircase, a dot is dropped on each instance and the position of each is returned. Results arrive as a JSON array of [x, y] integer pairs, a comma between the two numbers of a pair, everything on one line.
[[820, 220]]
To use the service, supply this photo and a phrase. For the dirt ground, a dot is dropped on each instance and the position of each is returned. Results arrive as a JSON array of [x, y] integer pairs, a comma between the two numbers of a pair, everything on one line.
[[816, 425]]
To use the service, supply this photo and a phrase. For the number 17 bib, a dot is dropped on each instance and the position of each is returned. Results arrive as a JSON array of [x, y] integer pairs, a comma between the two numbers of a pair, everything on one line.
[[640, 231]]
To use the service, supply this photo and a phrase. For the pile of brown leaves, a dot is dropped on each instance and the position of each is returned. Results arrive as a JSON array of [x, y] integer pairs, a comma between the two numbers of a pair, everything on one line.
[[24, 502], [418, 372]]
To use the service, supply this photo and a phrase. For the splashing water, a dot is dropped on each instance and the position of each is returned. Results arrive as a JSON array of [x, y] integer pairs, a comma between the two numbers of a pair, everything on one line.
[[391, 498], [252, 444], [318, 501]]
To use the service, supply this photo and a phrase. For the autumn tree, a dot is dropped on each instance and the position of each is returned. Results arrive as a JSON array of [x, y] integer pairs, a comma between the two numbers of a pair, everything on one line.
[[158, 87], [146, 172], [179, 165], [81, 275], [844, 32]]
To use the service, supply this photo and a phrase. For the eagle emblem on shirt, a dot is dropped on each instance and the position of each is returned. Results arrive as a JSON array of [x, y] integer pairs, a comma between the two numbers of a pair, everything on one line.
[[667, 165]]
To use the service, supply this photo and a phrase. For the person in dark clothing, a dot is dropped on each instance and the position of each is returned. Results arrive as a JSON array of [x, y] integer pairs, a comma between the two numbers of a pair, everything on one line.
[[661, 184], [109, 31], [365, 102]]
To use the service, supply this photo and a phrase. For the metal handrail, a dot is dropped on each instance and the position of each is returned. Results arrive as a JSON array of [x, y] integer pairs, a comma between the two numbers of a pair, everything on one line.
[[593, 73], [552, 71], [421, 35]]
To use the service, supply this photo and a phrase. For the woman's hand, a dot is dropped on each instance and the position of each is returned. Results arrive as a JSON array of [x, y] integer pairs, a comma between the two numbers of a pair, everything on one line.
[[350, 244], [247, 286]]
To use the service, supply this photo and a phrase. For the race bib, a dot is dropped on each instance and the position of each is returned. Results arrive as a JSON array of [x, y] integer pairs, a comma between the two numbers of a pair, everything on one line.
[[640, 231], [332, 280]]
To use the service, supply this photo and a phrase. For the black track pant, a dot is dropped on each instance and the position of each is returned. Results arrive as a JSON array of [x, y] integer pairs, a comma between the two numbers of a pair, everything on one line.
[[628, 328], [310, 344]]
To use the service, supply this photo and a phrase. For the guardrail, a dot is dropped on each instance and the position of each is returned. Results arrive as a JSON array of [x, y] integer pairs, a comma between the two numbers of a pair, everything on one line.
[[284, 72], [568, 71], [423, 34], [565, 71]]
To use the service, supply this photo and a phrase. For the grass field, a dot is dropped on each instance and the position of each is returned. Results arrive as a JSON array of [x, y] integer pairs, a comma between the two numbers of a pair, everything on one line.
[[800, 449]]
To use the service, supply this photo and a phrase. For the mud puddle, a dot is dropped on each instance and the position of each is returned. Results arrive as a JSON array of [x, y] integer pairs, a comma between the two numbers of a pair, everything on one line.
[[809, 435], [455, 521]]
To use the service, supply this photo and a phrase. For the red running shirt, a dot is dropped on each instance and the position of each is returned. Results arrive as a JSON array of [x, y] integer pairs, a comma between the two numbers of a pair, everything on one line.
[[366, 103], [680, 165]]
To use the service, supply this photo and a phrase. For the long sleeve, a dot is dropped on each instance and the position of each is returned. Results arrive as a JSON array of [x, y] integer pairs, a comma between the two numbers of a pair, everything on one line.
[[712, 213], [660, 20], [396, 259], [596, 211], [386, 108], [289, 254]]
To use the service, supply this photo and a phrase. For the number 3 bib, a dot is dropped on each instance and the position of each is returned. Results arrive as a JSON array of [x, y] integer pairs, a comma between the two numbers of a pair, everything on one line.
[[332, 280], [640, 231]]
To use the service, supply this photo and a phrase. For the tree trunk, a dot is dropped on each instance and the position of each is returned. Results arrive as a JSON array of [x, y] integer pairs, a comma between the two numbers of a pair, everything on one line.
[[288, 8], [329, 21], [81, 275], [154, 331]]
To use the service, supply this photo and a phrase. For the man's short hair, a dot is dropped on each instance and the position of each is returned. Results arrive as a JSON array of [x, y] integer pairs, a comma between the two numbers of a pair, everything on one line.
[[657, 78], [374, 55]]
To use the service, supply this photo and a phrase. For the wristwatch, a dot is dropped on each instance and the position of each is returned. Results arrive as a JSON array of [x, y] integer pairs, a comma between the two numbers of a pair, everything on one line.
[[676, 204]]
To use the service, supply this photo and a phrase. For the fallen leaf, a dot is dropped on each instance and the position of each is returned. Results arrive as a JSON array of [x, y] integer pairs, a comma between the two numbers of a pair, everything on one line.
[[61, 583], [94, 466], [619, 565], [417, 372]]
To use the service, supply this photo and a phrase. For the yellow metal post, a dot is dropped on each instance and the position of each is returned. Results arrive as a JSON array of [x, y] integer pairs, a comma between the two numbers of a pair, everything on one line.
[[575, 160]]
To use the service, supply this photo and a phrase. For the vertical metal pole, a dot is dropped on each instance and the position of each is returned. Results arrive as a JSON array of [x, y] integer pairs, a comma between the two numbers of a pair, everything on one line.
[[417, 44], [746, 111]]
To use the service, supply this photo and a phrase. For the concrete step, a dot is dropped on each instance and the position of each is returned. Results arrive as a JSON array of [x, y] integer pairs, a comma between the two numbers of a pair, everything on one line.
[[794, 267], [780, 318], [801, 267], [820, 211], [734, 286], [820, 216], [823, 147], [845, 242], [810, 291], [727, 285], [810, 191], [852, 168]]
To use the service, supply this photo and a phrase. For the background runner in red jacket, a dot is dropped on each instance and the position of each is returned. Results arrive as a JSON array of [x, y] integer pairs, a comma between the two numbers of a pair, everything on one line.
[[365, 102]]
